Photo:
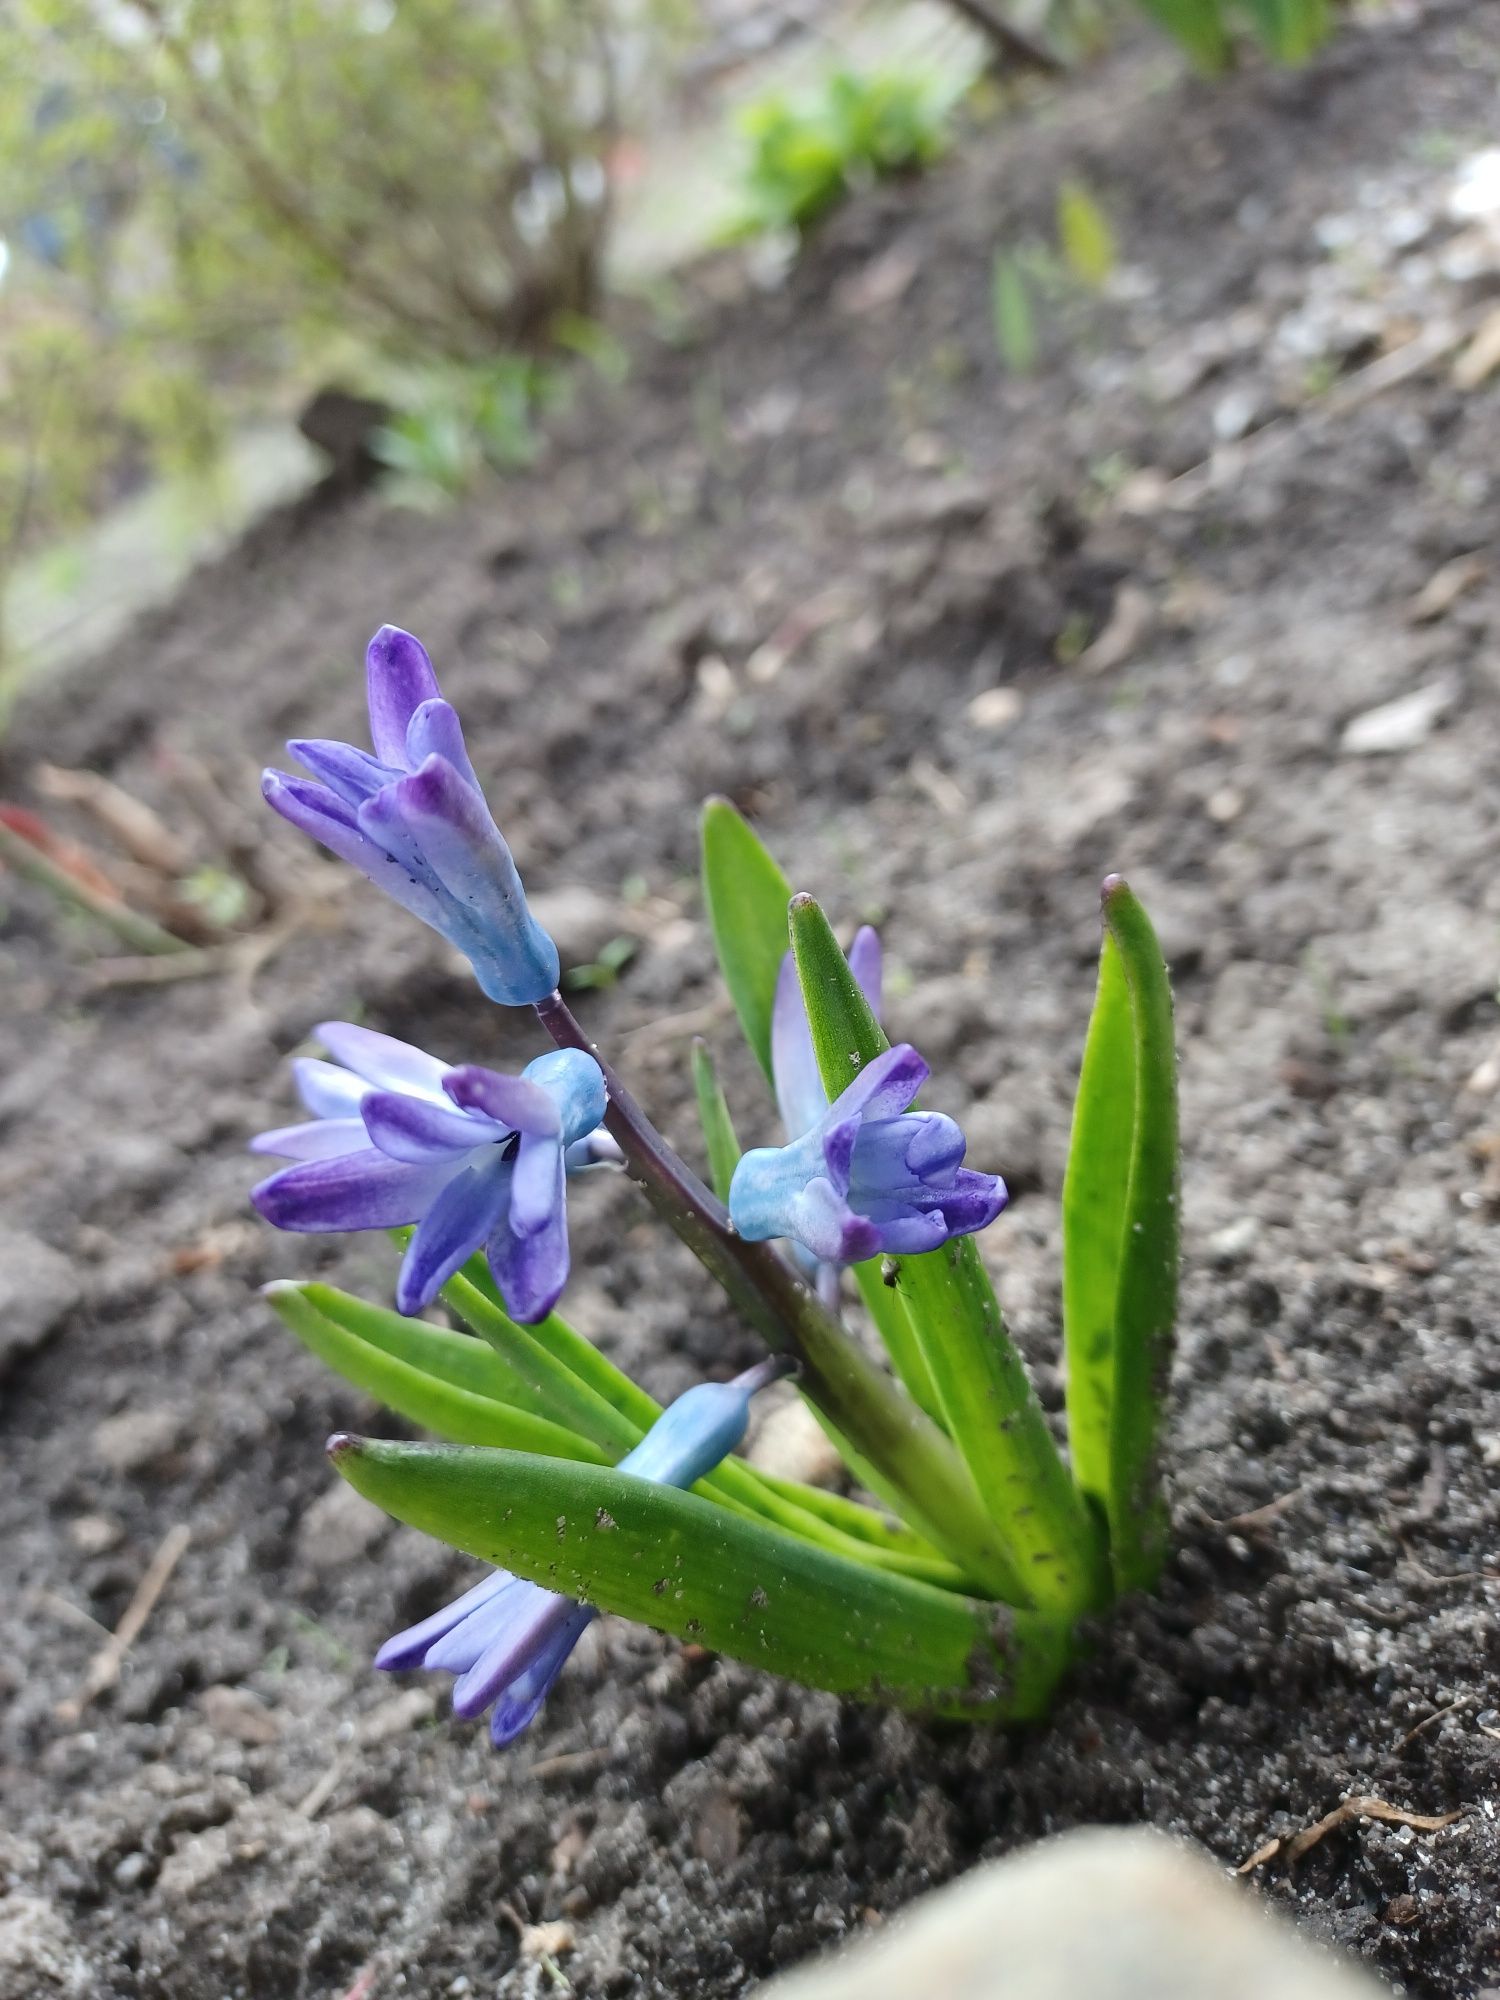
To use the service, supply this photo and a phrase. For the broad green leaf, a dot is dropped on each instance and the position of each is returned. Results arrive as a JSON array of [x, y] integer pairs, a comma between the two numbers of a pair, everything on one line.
[[1088, 242], [987, 1402], [713, 1114], [411, 1389], [679, 1564], [877, 1287], [1012, 316], [1095, 1187], [746, 895], [1146, 1297], [1198, 25]]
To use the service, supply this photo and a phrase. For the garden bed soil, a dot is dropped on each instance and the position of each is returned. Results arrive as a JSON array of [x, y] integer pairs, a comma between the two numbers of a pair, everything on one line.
[[956, 643]]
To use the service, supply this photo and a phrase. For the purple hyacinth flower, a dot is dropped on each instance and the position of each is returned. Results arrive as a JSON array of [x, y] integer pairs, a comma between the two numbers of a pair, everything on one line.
[[870, 1176], [412, 818], [507, 1640], [472, 1158]]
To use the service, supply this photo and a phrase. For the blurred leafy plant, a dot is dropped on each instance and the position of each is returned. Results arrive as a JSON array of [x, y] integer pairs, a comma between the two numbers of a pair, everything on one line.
[[1290, 31], [806, 154], [208, 203]]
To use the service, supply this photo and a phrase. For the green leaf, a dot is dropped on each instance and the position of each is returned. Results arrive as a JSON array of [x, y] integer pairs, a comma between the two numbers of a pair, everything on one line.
[[1095, 1187], [1290, 30], [1011, 315], [684, 1566], [988, 1405], [1146, 1293], [1198, 25], [713, 1114], [746, 895], [565, 1376], [419, 1386], [1088, 242]]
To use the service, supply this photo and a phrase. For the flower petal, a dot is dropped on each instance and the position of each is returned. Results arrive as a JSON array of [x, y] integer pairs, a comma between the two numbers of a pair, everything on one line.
[[398, 679], [692, 1435], [530, 1270], [315, 811], [420, 1132], [356, 1191], [382, 1060], [517, 1704], [824, 1221], [409, 1648], [318, 1139], [509, 1100], [453, 1228], [350, 774], [575, 1084], [800, 1096], [515, 960], [884, 1087], [891, 1154], [537, 1184], [865, 964], [327, 1090], [528, 1638], [435, 731]]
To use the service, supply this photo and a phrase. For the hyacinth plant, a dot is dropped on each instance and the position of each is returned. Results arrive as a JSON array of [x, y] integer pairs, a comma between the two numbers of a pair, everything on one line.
[[957, 1571]]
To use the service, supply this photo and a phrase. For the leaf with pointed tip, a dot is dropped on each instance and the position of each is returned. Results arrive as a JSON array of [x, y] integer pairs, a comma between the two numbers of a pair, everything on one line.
[[1145, 1315], [424, 1387], [1095, 1186], [684, 1566], [746, 895], [713, 1115]]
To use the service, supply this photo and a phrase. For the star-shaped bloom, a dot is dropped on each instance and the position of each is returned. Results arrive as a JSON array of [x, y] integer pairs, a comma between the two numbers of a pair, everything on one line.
[[473, 1158], [413, 819], [507, 1639], [869, 1176]]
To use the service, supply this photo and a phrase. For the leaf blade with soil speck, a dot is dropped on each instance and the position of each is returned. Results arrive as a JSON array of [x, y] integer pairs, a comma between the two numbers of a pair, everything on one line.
[[685, 1567], [746, 896]]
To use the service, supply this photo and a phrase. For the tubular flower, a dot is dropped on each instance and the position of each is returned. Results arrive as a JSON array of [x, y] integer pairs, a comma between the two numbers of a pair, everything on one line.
[[507, 1639], [869, 1176], [472, 1157], [413, 819]]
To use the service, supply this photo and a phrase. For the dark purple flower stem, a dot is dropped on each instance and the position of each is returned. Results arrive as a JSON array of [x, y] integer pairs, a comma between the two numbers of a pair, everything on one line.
[[914, 1464]]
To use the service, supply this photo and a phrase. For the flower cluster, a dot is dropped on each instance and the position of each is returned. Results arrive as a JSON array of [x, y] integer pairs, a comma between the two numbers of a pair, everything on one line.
[[472, 1160]]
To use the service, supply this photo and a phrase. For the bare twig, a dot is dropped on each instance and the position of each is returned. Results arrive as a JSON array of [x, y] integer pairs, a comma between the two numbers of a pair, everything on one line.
[[104, 1668], [139, 932], [1011, 44]]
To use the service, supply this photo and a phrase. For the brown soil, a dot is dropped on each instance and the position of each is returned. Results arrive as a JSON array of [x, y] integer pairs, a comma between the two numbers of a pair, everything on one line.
[[783, 563]]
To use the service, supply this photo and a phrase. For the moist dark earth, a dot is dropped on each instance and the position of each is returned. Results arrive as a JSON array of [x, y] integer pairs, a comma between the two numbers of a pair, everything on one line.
[[962, 641]]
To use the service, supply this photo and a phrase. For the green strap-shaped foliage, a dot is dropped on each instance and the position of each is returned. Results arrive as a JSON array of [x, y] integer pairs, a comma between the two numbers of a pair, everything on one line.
[[746, 896], [988, 1404], [1095, 1188], [1146, 1296], [1120, 1239], [713, 1115], [671, 1560], [424, 1387]]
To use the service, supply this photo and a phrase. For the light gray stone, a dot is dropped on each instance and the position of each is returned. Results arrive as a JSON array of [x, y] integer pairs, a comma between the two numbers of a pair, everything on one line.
[[38, 1289], [1104, 1914]]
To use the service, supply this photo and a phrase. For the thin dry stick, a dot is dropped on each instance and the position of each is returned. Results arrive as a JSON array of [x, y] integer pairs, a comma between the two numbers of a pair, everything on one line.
[[104, 1668], [1009, 42]]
